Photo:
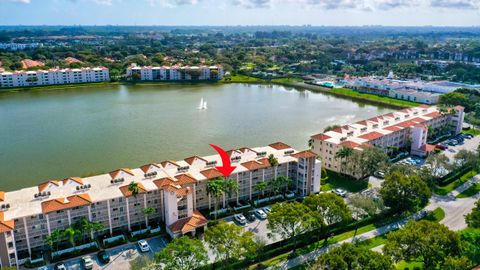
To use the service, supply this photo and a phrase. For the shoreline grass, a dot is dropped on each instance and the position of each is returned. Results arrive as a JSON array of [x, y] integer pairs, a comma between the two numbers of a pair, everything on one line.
[[294, 82]]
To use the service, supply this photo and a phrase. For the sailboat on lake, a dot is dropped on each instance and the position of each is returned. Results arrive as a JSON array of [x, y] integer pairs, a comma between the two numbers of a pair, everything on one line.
[[202, 105]]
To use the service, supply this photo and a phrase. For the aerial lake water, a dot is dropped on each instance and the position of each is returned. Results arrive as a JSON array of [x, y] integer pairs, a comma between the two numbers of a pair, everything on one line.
[[60, 133]]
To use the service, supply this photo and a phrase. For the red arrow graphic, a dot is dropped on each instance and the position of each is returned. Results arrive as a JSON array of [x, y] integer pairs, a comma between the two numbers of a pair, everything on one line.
[[226, 169]]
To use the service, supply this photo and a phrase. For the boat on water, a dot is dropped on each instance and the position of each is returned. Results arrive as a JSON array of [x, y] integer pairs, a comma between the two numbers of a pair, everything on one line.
[[202, 105]]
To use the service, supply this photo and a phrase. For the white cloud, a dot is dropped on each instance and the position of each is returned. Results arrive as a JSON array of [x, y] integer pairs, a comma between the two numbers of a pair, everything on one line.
[[21, 1], [173, 3], [362, 4]]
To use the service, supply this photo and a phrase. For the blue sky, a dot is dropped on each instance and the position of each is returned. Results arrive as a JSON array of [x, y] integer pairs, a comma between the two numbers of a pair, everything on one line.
[[240, 12]]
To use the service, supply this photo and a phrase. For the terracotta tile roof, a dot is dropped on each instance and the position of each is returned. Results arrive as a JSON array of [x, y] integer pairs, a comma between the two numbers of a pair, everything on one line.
[[304, 154], [183, 191], [128, 193], [74, 179], [44, 185], [188, 224], [388, 115], [433, 114], [164, 182], [2, 196], [66, 203], [230, 152], [6, 225], [245, 149], [145, 167], [211, 173], [418, 120], [71, 60], [407, 124], [115, 173], [255, 165], [321, 137], [279, 146], [371, 135], [427, 148], [349, 144], [363, 122], [184, 179], [458, 107], [171, 188], [338, 130], [190, 160], [28, 63], [424, 106], [393, 128], [165, 163]]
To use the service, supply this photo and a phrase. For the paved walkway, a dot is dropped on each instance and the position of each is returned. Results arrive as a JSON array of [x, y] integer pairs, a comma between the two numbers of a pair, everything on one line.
[[454, 208]]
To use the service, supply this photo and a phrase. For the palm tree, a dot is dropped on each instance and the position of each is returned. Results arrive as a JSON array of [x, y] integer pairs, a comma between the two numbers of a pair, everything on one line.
[[344, 154], [277, 185], [260, 187], [70, 233], [231, 187], [53, 239], [215, 188], [85, 226], [134, 188], [148, 212], [274, 163]]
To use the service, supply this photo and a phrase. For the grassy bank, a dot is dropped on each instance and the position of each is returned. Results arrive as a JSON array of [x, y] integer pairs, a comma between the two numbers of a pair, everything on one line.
[[344, 92], [473, 190], [444, 190], [56, 87], [292, 82]]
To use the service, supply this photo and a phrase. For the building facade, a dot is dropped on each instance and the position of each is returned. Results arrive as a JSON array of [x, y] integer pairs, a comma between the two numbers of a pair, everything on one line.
[[174, 73], [53, 76], [407, 129], [176, 190], [415, 96]]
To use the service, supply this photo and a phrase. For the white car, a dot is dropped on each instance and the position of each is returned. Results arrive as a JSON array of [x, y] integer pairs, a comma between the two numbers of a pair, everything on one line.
[[42, 268], [143, 245], [87, 262], [260, 214], [340, 192], [240, 219]]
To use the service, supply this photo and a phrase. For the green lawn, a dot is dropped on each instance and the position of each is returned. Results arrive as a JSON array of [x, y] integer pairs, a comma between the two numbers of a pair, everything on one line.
[[474, 189], [444, 190], [387, 100], [241, 79], [474, 132], [335, 180], [403, 265], [436, 216]]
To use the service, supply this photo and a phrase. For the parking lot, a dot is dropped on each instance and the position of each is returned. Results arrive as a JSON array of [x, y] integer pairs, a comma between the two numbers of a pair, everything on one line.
[[120, 257], [258, 227]]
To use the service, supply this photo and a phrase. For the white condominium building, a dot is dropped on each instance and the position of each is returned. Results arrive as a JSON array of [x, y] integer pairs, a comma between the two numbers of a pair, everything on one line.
[[23, 78], [174, 73], [406, 128], [176, 190]]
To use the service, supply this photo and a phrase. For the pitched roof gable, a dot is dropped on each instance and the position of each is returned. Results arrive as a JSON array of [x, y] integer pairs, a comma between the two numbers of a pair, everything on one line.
[[211, 173], [279, 146], [115, 173], [188, 224], [66, 203], [127, 193], [304, 154], [146, 167]]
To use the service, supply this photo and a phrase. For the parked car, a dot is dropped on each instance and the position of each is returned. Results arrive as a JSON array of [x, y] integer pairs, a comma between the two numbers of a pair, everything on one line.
[[143, 245], [290, 195], [240, 219], [60, 266], [441, 146], [451, 150], [42, 268], [87, 262], [103, 256], [267, 210], [250, 216], [260, 214], [379, 174], [340, 192]]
